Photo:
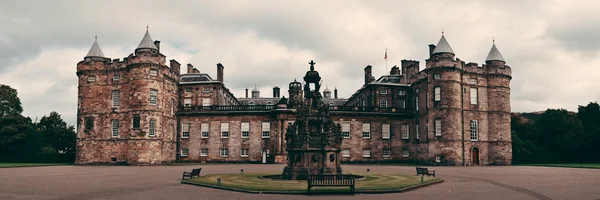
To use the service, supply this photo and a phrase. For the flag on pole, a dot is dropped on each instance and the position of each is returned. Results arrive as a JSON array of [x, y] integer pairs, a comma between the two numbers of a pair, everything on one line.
[[385, 57]]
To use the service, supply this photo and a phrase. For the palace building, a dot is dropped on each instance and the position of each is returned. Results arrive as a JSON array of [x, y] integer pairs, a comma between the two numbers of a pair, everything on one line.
[[140, 111]]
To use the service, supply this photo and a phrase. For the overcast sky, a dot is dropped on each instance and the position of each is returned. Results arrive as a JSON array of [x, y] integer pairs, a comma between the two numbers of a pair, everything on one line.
[[552, 46]]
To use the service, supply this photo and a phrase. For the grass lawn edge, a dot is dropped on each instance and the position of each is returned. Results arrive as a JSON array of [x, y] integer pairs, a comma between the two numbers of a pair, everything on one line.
[[357, 191], [560, 165], [19, 165]]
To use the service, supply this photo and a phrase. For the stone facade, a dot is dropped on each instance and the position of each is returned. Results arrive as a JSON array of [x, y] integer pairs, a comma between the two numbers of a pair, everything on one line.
[[449, 113]]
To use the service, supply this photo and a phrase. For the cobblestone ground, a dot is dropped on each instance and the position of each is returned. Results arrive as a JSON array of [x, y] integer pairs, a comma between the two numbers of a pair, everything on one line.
[[163, 182]]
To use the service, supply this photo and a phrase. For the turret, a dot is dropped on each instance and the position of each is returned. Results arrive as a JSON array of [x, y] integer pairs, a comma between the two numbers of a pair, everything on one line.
[[442, 49], [327, 93], [295, 93], [494, 57], [147, 45], [255, 92]]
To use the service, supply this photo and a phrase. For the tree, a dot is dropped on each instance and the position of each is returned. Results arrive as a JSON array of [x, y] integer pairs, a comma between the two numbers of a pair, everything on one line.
[[590, 120], [56, 134], [10, 104], [560, 132]]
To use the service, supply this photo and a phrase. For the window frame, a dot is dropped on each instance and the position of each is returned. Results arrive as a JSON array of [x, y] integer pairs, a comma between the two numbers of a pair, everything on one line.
[[116, 98], [383, 103], [205, 91], [438, 158], [185, 104], [365, 131], [202, 153], [204, 130], [92, 78], [405, 131], [155, 72], [245, 130], [401, 103], [89, 123], [437, 127], [437, 76], [206, 102], [152, 128], [405, 153], [136, 120], [383, 91], [348, 132], [187, 152], [345, 155], [474, 130], [417, 131], [437, 93], [389, 153], [155, 100], [474, 95], [224, 129], [224, 152], [366, 153], [115, 128], [242, 153], [385, 131], [417, 103], [263, 131], [116, 77], [184, 133]]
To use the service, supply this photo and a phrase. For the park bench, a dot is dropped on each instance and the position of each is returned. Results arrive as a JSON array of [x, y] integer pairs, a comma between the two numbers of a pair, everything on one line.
[[326, 180], [195, 172], [425, 171]]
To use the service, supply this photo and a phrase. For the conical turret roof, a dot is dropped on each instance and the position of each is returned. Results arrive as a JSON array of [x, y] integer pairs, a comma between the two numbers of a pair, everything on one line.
[[494, 54], [147, 42], [443, 46], [95, 51]]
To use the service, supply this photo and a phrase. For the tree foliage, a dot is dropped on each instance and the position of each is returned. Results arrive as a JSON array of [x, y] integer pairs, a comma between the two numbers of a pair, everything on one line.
[[21, 140], [557, 136]]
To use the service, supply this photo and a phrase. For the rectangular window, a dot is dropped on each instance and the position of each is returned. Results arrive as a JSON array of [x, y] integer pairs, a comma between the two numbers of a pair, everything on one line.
[[116, 77], [225, 130], [417, 131], [204, 127], [224, 152], [136, 121], [115, 128], [401, 92], [437, 94], [89, 123], [383, 103], [405, 153], [385, 131], [152, 131], [437, 124], [153, 72], [185, 130], [417, 103], [401, 104], [405, 131], [436, 76], [346, 129], [245, 129], [387, 153], [91, 78], [473, 81], [184, 152], [205, 101], [346, 153], [206, 89], [366, 132], [473, 95], [204, 152], [244, 153], [189, 89], [366, 153], [173, 106], [383, 91], [266, 129], [187, 102], [438, 158], [474, 130], [153, 97]]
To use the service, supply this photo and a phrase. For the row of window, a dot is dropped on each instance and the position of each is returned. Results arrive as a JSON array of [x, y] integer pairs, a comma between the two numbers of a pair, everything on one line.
[[187, 102], [189, 89], [116, 97], [383, 103], [117, 76], [245, 130], [224, 152], [366, 153], [151, 127], [385, 130], [385, 91]]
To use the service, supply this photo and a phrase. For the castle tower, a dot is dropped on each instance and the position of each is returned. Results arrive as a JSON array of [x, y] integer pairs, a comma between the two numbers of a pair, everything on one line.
[[255, 93], [128, 109], [326, 93], [443, 117], [498, 95]]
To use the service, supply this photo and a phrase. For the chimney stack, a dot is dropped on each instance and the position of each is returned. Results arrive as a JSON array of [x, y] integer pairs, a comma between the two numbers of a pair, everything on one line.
[[246, 92], [368, 74], [431, 48], [175, 66], [190, 68], [157, 44], [220, 72], [196, 71], [335, 93], [276, 92]]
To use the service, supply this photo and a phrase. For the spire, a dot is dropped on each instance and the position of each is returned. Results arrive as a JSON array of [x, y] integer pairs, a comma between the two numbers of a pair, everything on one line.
[[95, 51], [443, 46], [147, 42], [494, 54]]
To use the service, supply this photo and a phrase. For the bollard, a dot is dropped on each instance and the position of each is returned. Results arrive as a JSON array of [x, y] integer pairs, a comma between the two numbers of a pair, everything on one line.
[[421, 179], [218, 181], [368, 170], [242, 171]]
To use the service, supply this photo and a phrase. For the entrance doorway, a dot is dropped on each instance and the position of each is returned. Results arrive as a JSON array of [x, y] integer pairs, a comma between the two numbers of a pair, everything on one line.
[[264, 155], [475, 156]]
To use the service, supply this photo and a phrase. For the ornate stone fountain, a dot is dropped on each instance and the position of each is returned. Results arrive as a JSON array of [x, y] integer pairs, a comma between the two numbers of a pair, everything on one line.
[[313, 141]]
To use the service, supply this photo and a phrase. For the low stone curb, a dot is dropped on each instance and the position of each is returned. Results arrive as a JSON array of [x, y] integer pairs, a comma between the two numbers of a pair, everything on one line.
[[409, 188]]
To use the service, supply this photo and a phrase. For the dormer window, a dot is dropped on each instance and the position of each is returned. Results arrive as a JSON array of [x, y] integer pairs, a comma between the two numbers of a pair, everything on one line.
[[269, 103], [251, 103], [91, 78]]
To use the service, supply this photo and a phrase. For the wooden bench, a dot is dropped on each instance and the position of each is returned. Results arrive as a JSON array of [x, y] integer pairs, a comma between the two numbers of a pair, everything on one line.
[[425, 171], [195, 172], [326, 180]]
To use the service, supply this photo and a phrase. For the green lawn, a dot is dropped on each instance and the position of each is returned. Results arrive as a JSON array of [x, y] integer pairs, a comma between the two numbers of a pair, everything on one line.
[[6, 165], [574, 165], [252, 182]]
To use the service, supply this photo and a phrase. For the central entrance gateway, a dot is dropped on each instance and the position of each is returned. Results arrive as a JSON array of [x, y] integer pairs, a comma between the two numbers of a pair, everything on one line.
[[313, 141]]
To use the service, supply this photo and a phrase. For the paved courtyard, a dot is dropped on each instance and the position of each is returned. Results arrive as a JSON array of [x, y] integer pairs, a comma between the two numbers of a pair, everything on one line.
[[163, 182]]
